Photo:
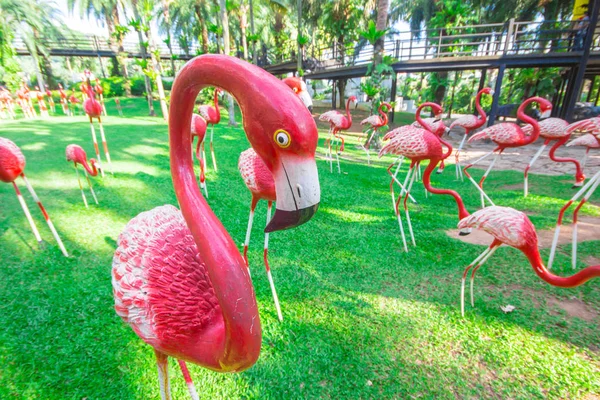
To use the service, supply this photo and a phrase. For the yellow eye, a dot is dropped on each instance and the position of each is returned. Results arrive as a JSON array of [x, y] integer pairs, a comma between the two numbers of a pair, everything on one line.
[[282, 138]]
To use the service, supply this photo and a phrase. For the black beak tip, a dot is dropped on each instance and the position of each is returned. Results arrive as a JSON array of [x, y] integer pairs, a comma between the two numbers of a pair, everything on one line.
[[290, 219], [310, 109], [464, 233]]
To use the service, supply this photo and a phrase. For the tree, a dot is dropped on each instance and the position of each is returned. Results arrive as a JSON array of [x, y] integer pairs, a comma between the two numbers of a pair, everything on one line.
[[225, 26], [381, 26], [137, 25]]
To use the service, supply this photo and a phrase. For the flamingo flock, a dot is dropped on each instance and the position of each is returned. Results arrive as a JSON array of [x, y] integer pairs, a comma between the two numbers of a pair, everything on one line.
[[179, 280]]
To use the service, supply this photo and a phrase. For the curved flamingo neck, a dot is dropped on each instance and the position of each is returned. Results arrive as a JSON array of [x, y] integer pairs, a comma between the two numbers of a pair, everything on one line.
[[93, 171], [579, 278], [348, 115], [528, 120], [482, 115], [560, 142], [462, 211], [234, 345], [448, 146], [384, 117], [420, 120], [216, 104]]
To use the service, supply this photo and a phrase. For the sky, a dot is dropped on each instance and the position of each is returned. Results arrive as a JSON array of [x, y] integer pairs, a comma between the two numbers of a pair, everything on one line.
[[84, 25]]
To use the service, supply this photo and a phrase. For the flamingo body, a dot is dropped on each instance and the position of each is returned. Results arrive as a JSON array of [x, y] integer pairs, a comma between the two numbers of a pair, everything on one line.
[[211, 114], [12, 161], [550, 128], [336, 119], [415, 143], [374, 120], [505, 134], [161, 286], [588, 140], [590, 125], [506, 224], [469, 122], [257, 176], [198, 127], [435, 125], [92, 107]]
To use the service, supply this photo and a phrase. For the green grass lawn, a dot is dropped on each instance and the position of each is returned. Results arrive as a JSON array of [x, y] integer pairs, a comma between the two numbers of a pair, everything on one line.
[[362, 319]]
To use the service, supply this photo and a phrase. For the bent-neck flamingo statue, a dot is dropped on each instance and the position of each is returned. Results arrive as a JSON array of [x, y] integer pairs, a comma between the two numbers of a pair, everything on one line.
[[212, 115], [260, 183], [419, 145], [553, 129], [338, 122], [375, 122], [93, 109], [198, 130], [77, 155], [470, 123], [12, 165], [507, 135], [6, 103], [513, 228], [588, 141], [591, 126], [100, 92], [434, 125], [299, 87], [63, 99], [178, 278]]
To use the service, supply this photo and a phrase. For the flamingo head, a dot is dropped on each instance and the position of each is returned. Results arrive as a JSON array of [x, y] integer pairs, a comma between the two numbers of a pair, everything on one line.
[[297, 85], [579, 179], [488, 90], [278, 126], [286, 140], [437, 110], [545, 106]]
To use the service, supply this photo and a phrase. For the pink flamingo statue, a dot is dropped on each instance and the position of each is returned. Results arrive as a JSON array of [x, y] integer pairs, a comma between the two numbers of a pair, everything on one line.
[[418, 145], [119, 109], [198, 129], [434, 125], [588, 141], [260, 183], [100, 92], [41, 103], [73, 101], [93, 109], [507, 135], [193, 286], [513, 228], [50, 100], [428, 124], [212, 115], [592, 126], [375, 122], [6, 102], [470, 123], [77, 155], [63, 99], [553, 129], [12, 165], [337, 123], [299, 87]]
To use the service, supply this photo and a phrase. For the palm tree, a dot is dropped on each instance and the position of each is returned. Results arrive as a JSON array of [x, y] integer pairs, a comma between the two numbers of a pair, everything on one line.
[[108, 11], [138, 25]]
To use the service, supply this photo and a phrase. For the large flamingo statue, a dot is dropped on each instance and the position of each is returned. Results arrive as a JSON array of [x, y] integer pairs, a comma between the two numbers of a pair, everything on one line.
[[513, 228], [591, 125], [588, 141], [198, 130], [260, 183], [77, 155], [12, 165], [553, 129], [93, 109], [375, 122], [470, 123], [63, 99], [419, 145], [508, 135], [299, 87], [212, 115], [192, 298], [337, 122]]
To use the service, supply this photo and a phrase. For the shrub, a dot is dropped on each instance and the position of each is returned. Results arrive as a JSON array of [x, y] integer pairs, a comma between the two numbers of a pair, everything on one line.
[[138, 87]]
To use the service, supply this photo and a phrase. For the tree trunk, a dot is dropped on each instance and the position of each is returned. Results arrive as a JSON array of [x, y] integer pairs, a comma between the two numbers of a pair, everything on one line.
[[147, 82], [243, 27], [158, 79], [254, 53], [381, 24], [225, 26], [341, 86], [121, 56], [440, 91], [299, 54]]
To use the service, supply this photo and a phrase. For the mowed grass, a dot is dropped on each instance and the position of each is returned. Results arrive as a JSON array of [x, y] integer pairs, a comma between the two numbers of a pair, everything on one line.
[[362, 319]]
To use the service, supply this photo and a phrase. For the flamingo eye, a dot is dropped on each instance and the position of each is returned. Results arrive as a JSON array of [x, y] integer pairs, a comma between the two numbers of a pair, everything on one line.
[[282, 138]]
